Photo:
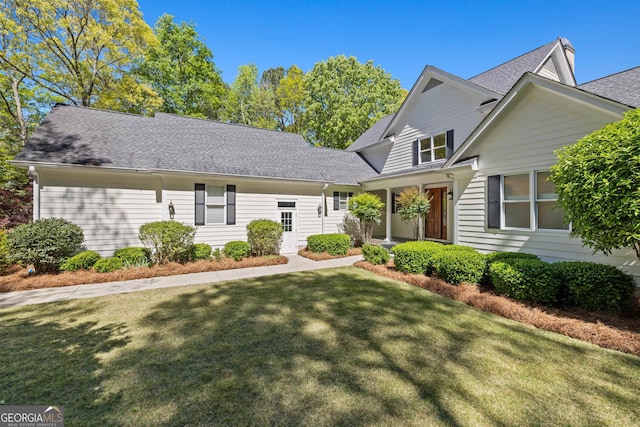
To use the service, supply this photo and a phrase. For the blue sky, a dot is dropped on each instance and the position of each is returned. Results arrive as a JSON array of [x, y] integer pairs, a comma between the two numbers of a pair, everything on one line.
[[460, 37]]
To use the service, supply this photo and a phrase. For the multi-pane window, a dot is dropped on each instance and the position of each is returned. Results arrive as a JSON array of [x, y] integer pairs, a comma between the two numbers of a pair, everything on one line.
[[525, 198], [286, 219], [549, 215], [215, 204], [433, 148], [516, 201]]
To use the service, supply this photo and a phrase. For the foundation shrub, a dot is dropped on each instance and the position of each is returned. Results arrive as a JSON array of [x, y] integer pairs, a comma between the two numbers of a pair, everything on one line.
[[264, 236], [237, 250], [107, 265], [200, 251], [44, 243], [595, 286], [216, 254], [133, 256], [527, 280], [4, 252], [502, 256], [375, 254], [333, 244], [167, 241], [459, 264], [416, 257], [82, 261]]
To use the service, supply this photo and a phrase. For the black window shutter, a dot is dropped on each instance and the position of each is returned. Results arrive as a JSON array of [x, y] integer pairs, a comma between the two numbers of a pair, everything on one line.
[[350, 195], [493, 201], [414, 153], [231, 204], [393, 203], [449, 143], [200, 209], [336, 201]]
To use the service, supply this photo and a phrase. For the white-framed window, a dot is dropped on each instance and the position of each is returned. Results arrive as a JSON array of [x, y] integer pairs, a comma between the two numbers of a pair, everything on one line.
[[432, 148], [341, 200], [526, 201], [215, 204]]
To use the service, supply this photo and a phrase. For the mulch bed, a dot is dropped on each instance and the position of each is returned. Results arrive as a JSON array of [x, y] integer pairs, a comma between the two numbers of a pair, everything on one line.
[[616, 331], [17, 278], [322, 256]]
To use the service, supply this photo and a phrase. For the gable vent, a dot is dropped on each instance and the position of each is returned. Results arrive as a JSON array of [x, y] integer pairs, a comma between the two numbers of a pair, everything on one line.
[[432, 83]]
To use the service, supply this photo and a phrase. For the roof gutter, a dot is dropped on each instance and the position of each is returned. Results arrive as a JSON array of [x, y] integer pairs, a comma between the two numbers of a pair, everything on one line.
[[472, 166]]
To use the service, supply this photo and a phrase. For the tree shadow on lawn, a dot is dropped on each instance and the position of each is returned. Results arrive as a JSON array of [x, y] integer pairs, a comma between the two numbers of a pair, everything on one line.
[[49, 357], [337, 347]]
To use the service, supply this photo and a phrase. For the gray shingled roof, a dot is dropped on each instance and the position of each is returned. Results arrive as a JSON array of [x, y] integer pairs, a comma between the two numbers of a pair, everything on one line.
[[371, 135], [501, 79], [623, 87], [87, 136]]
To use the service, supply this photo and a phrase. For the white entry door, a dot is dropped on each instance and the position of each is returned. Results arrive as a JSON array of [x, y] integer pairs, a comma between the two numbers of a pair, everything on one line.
[[287, 217]]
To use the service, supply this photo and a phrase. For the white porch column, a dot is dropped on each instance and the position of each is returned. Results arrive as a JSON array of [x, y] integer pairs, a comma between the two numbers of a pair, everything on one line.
[[36, 192], [421, 222], [388, 218], [456, 189]]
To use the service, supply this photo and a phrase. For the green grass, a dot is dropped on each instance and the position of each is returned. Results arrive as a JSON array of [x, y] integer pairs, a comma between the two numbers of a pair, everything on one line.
[[330, 347]]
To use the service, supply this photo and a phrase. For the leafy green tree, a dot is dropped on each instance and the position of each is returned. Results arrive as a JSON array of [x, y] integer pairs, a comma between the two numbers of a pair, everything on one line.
[[239, 107], [77, 51], [413, 205], [597, 181], [367, 207], [290, 96], [181, 70], [344, 98]]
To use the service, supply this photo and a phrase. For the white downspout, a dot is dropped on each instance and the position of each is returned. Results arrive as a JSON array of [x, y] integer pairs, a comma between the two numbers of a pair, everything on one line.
[[164, 205], [36, 192]]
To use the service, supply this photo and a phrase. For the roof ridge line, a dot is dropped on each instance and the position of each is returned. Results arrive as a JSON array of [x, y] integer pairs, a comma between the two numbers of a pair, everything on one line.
[[513, 59], [609, 75]]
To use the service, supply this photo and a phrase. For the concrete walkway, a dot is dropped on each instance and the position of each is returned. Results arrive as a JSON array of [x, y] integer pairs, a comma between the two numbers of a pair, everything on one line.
[[39, 296]]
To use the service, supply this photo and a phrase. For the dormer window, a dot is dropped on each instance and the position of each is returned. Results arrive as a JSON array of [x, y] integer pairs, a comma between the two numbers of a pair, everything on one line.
[[433, 148]]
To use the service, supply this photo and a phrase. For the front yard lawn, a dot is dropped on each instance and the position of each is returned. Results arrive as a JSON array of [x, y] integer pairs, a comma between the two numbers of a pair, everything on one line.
[[328, 347]]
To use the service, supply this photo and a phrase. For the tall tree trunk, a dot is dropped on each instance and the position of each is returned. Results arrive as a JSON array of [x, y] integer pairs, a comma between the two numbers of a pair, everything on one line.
[[15, 83]]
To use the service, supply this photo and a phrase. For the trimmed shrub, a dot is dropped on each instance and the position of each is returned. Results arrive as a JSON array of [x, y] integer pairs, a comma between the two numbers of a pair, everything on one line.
[[457, 264], [237, 250], [133, 256], [200, 251], [107, 265], [167, 241], [595, 286], [4, 252], [375, 254], [416, 257], [217, 254], [525, 280], [45, 243], [264, 236], [333, 244], [502, 256], [82, 261]]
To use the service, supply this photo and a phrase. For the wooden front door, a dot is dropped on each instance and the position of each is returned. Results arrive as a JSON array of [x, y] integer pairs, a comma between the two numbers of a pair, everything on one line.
[[435, 224]]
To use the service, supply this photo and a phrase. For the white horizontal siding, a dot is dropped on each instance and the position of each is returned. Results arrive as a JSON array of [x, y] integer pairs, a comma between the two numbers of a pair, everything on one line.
[[524, 141], [549, 70], [439, 109]]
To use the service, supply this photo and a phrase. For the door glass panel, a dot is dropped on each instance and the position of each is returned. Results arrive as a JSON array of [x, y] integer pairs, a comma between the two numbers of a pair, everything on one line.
[[286, 219]]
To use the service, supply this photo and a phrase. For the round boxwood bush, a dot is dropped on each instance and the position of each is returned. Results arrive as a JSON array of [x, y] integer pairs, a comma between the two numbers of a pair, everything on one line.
[[200, 251], [459, 264], [502, 256], [416, 257], [237, 250], [167, 241], [84, 260], [133, 256], [525, 280], [375, 254], [44, 243], [595, 286], [264, 236], [107, 265], [333, 244]]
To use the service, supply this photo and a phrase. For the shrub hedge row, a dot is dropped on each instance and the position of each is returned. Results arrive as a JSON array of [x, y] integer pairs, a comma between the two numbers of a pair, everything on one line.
[[82, 261], [376, 255], [333, 244], [523, 277]]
